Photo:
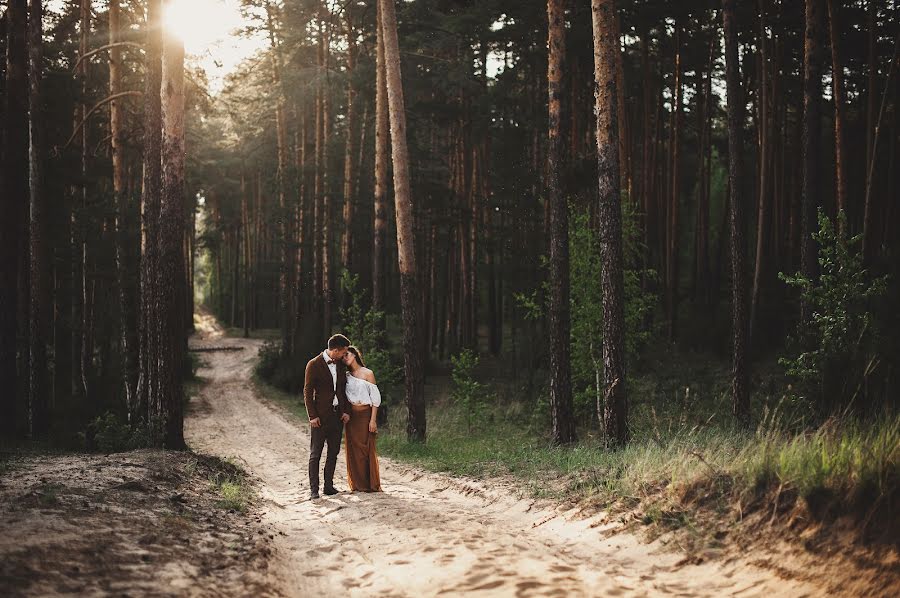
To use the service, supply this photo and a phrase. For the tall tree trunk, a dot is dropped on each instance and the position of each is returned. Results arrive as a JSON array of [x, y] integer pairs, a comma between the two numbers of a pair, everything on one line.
[[382, 140], [127, 316], [870, 228], [148, 378], [82, 346], [15, 196], [413, 374], [812, 138], [561, 409], [762, 222], [349, 212], [39, 325], [740, 393], [840, 110], [285, 317], [171, 275], [614, 411], [672, 276]]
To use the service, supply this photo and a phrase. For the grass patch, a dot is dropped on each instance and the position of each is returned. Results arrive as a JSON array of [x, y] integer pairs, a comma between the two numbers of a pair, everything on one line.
[[231, 483], [842, 467]]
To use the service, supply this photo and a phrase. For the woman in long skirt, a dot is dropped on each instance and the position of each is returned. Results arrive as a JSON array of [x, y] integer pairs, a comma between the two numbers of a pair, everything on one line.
[[362, 429]]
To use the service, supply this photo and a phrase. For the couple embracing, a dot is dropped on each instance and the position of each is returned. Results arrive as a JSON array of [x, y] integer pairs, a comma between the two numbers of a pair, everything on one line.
[[340, 392]]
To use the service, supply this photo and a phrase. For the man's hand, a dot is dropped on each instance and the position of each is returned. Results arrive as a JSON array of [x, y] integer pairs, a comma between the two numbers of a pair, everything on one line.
[[345, 418], [315, 423], [373, 427]]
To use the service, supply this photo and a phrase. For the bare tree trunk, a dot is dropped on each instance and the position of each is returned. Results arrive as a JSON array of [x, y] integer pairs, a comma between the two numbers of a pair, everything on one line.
[[38, 338], [349, 154], [561, 409], [672, 276], [740, 394], [171, 275], [15, 196], [840, 110], [414, 378], [614, 411], [763, 197], [382, 140], [812, 139], [148, 378]]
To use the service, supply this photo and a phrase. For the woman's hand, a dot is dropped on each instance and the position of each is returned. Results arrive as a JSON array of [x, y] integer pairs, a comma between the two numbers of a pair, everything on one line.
[[373, 427]]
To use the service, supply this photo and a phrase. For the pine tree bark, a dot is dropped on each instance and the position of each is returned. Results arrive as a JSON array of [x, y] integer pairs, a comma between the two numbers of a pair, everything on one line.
[[382, 140], [812, 139], [740, 394], [561, 408], [148, 359], [614, 410], [840, 110], [39, 316], [349, 212], [413, 374], [15, 197], [171, 269], [672, 238], [762, 219]]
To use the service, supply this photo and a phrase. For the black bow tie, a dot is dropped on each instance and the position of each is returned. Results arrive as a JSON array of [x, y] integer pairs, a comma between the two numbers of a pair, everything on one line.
[[330, 361]]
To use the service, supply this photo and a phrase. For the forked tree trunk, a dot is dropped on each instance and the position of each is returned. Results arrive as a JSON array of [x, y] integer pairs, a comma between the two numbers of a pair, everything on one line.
[[171, 275], [413, 374], [740, 394], [561, 409], [614, 410]]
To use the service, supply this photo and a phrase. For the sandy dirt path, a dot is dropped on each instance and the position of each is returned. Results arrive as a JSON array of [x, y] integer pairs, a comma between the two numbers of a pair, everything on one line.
[[428, 534]]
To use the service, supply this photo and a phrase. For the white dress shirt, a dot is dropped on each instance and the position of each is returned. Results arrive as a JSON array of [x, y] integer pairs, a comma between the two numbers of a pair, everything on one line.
[[332, 367]]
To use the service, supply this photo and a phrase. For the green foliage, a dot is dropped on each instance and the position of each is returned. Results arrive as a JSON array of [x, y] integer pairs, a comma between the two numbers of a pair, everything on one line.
[[855, 464], [835, 350], [108, 433], [586, 303], [471, 395], [365, 330]]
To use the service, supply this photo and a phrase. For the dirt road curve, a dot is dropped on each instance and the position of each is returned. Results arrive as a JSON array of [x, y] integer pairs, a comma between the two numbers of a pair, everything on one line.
[[427, 534]]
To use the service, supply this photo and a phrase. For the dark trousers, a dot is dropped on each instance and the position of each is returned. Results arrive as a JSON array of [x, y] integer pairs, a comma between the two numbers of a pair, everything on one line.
[[331, 431]]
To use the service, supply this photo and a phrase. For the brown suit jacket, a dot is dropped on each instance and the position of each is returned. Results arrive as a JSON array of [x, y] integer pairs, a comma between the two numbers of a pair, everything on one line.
[[319, 390]]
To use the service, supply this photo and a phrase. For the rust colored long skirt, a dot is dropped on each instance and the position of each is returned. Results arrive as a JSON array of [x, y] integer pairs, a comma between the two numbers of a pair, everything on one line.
[[362, 458]]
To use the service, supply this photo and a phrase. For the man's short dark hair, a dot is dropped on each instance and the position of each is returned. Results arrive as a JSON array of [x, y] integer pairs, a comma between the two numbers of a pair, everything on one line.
[[338, 341]]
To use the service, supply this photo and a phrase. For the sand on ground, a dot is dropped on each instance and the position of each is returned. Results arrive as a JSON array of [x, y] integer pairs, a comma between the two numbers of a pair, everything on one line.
[[429, 534]]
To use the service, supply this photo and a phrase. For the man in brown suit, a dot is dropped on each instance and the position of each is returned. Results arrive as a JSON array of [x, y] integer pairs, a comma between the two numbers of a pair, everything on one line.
[[325, 395]]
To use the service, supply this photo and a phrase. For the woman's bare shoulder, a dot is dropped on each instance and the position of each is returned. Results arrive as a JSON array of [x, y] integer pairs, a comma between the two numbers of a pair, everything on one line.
[[367, 375]]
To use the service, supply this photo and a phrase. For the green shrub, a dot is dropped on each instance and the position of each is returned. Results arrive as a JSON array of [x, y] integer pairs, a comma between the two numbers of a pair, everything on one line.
[[468, 393], [835, 350], [365, 330], [586, 304]]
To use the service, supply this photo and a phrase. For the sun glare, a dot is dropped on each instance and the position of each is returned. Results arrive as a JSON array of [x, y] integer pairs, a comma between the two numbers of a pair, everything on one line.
[[201, 24]]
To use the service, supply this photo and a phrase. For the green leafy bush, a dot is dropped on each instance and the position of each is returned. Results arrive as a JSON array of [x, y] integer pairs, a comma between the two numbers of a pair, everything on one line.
[[835, 350], [586, 304], [468, 393], [365, 330]]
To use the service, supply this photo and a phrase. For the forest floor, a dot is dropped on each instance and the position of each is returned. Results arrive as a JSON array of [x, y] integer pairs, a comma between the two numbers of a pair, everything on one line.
[[146, 522], [430, 534]]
